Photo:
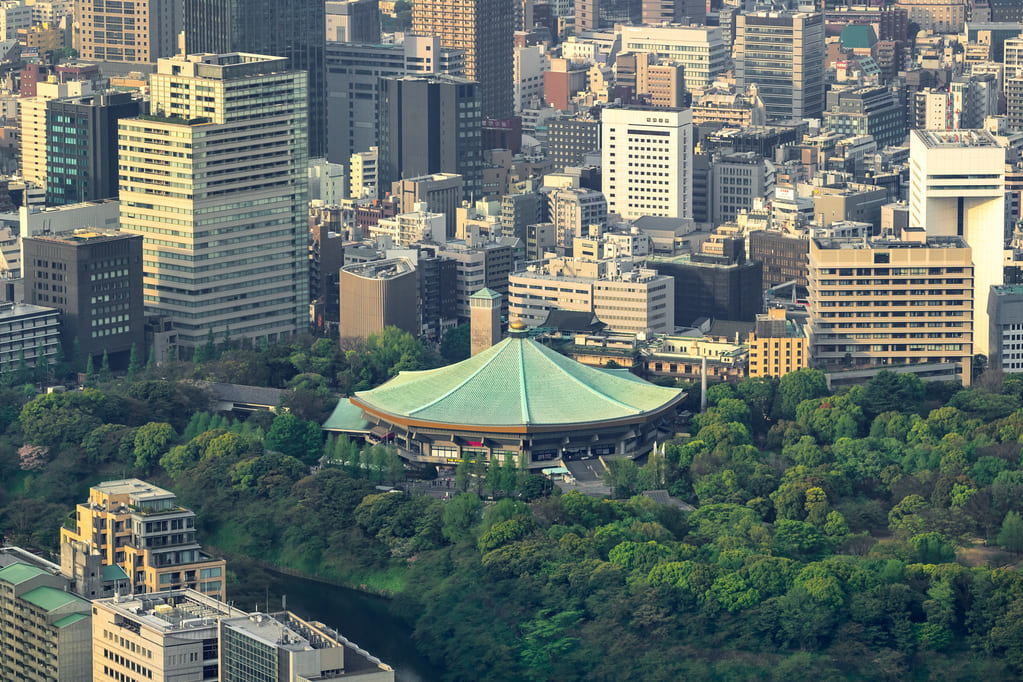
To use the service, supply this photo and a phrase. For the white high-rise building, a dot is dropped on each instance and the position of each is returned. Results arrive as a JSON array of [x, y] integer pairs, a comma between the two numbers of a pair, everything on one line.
[[700, 49], [647, 160], [216, 180], [957, 188]]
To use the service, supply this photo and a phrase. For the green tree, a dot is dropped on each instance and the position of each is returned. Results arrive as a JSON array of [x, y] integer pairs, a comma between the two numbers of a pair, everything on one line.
[[134, 362], [292, 436], [1010, 537], [461, 514], [105, 374], [90, 374], [152, 441], [794, 388], [456, 344]]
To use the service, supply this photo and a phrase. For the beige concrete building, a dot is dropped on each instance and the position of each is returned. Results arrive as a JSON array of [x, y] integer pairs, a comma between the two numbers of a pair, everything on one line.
[[142, 529], [142, 31], [33, 125], [184, 635], [777, 346], [159, 637], [625, 298], [216, 181], [416, 226], [378, 294], [891, 302], [484, 320], [940, 16], [45, 631]]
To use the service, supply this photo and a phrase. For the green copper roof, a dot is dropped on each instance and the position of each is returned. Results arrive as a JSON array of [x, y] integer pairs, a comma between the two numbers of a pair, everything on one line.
[[68, 620], [15, 574], [856, 36], [517, 382], [50, 598], [347, 417], [486, 293], [113, 572]]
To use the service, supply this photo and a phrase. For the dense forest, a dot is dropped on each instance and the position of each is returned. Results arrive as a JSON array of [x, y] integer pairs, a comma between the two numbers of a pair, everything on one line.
[[873, 533]]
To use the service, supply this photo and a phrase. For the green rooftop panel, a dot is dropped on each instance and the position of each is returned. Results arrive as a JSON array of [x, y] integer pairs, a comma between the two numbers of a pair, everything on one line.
[[68, 620], [486, 293], [50, 598], [112, 573], [517, 382], [16, 574]]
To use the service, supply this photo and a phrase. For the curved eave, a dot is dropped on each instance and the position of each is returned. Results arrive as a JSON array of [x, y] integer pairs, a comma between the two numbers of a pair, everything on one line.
[[406, 421]]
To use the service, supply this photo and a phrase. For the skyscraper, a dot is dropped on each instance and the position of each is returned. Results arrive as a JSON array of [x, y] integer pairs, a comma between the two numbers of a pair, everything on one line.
[[294, 29], [484, 30], [215, 180], [430, 125], [782, 54], [647, 160]]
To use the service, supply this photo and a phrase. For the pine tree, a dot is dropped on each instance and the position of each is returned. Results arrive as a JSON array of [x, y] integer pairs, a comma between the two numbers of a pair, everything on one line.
[[151, 362], [104, 368], [60, 368], [134, 363], [90, 374], [226, 344], [41, 367], [210, 350], [76, 356]]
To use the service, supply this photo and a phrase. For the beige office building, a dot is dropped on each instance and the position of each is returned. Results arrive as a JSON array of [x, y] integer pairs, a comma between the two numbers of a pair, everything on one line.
[[628, 300], [216, 182], [777, 346], [141, 31], [161, 637], [891, 302]]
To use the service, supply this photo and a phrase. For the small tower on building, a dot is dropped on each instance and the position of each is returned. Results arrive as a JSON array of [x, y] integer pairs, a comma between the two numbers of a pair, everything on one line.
[[484, 320]]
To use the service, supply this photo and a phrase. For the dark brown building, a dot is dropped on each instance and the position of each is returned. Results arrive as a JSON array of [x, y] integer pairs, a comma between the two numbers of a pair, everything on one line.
[[95, 279], [378, 294], [784, 257]]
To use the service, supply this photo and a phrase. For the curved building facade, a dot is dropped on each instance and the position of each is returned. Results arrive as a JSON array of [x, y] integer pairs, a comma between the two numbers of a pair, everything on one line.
[[516, 399]]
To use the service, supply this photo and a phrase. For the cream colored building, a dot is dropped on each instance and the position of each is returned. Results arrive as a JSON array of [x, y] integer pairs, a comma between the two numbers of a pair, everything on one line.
[[647, 162], [364, 170], [183, 635], [414, 227], [45, 632], [627, 299], [777, 346], [142, 529], [957, 188], [891, 302], [216, 181], [33, 125]]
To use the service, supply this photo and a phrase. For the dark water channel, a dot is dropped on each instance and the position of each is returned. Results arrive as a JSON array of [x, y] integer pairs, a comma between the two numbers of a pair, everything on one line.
[[363, 618]]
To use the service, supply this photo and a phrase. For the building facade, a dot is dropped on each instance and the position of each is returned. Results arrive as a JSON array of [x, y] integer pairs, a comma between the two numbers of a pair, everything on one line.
[[892, 302], [483, 30], [141, 528], [777, 346], [45, 631], [28, 331], [95, 280], [118, 32], [226, 244], [646, 158], [81, 140], [294, 31], [781, 52], [430, 125], [378, 294], [957, 189]]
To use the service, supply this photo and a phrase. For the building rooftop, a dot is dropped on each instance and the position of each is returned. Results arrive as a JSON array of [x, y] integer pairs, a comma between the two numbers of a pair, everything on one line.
[[15, 574], [21, 309], [936, 139], [516, 383], [173, 610], [86, 236], [51, 599], [381, 269], [136, 488], [882, 243]]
